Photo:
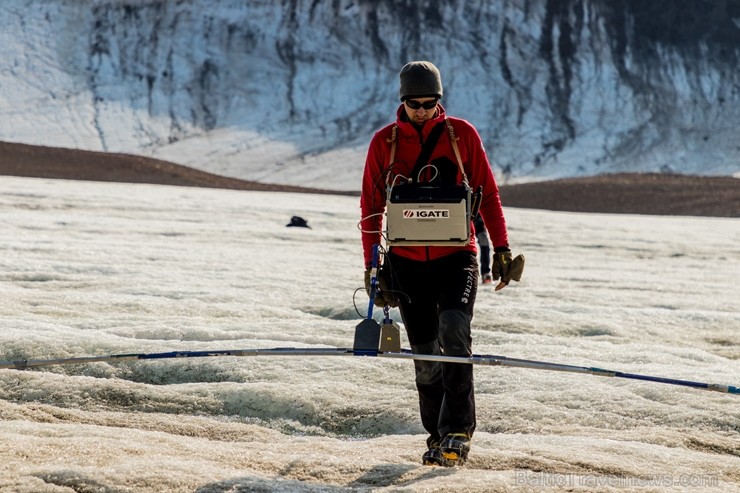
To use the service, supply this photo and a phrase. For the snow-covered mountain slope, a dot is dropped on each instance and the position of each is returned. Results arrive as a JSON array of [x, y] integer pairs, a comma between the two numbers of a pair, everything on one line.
[[291, 91]]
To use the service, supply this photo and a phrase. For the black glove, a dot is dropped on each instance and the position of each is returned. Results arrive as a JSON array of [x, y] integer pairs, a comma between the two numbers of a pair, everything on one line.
[[506, 268], [383, 296]]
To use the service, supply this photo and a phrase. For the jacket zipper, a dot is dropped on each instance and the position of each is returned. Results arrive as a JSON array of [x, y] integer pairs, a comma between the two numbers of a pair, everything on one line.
[[421, 148]]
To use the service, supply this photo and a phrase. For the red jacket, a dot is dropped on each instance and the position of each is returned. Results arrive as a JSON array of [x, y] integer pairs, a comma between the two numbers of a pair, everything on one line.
[[408, 147]]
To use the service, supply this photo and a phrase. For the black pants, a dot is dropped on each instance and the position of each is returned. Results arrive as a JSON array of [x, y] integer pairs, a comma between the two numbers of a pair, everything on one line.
[[436, 306]]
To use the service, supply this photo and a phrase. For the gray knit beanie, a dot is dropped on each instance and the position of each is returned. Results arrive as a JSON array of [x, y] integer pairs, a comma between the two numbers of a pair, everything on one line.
[[420, 79]]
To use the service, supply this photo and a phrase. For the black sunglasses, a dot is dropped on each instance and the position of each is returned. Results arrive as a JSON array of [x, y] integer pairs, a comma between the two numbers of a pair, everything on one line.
[[427, 105]]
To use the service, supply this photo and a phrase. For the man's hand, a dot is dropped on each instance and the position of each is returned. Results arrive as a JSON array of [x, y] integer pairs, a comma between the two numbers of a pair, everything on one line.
[[506, 268], [383, 296]]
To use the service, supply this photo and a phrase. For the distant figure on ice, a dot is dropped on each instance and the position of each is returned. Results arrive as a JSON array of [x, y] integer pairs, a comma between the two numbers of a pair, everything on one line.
[[434, 286], [484, 246]]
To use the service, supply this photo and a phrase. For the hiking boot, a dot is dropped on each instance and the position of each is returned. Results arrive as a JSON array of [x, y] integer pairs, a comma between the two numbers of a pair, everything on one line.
[[433, 456], [487, 279], [454, 448]]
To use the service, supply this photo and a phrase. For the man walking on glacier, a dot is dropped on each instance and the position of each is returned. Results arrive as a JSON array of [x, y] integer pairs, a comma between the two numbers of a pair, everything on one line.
[[434, 286]]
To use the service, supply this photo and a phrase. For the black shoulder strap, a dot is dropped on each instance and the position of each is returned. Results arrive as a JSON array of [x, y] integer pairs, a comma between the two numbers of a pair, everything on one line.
[[427, 149]]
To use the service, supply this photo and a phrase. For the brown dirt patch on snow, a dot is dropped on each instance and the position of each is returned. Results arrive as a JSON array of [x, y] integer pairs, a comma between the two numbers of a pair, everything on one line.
[[658, 194]]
